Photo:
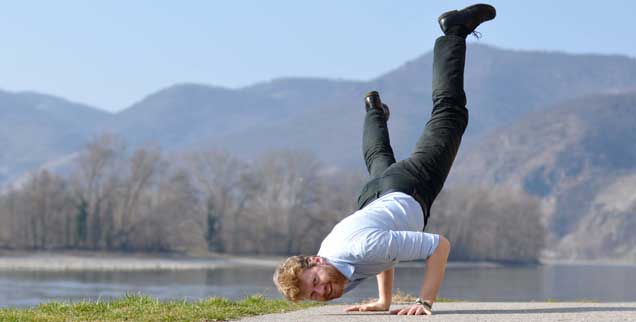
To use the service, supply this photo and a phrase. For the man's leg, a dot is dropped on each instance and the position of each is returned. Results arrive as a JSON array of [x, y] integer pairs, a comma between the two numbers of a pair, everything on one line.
[[376, 146], [425, 171], [436, 149], [427, 168]]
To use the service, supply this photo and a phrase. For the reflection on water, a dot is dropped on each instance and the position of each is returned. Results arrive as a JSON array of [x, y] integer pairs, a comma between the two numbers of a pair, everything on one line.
[[524, 283]]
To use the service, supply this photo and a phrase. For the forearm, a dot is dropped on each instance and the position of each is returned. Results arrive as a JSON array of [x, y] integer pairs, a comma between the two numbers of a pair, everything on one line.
[[385, 286], [435, 269]]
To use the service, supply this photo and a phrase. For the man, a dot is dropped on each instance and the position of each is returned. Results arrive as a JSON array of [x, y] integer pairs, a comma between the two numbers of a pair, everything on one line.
[[394, 205]]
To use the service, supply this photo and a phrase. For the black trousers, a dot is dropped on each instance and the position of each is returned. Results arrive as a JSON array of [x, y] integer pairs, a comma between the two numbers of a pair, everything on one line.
[[421, 175]]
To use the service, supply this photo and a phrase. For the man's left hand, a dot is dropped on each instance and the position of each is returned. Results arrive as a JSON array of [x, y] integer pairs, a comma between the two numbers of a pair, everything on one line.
[[415, 309]]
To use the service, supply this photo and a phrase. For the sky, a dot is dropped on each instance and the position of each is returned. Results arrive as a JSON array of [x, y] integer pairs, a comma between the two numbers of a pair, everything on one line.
[[111, 54]]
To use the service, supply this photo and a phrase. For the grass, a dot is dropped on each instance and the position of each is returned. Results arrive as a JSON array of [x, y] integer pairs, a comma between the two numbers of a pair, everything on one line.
[[144, 308]]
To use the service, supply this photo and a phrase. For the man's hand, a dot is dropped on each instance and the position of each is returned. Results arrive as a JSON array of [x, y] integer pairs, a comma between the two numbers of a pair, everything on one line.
[[375, 306], [415, 309]]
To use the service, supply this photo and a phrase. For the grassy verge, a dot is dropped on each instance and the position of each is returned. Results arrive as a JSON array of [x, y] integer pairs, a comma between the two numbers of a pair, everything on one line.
[[144, 308]]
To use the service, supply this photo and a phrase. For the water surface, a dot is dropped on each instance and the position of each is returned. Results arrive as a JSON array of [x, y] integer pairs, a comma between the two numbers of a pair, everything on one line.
[[516, 283]]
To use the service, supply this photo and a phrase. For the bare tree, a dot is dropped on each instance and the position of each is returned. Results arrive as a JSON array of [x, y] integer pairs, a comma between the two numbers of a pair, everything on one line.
[[337, 193], [5, 220], [175, 223], [94, 183], [223, 181], [294, 203], [143, 166], [40, 211], [490, 223], [285, 202], [9, 218]]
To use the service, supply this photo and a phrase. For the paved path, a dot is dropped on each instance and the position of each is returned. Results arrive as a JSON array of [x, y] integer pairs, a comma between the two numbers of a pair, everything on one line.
[[474, 312]]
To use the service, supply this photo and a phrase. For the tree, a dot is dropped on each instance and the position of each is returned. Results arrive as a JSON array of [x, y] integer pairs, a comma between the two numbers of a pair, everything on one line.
[[41, 212], [81, 217], [490, 223], [95, 180], [222, 180], [173, 221], [143, 166]]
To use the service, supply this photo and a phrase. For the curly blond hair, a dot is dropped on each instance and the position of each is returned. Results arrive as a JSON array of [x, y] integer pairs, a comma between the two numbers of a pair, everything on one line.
[[287, 276]]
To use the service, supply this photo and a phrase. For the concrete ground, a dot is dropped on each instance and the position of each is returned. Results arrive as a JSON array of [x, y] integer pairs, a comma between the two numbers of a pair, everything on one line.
[[472, 311]]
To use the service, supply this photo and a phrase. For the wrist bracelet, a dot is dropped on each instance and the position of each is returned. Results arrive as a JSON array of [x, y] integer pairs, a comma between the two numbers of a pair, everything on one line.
[[428, 306]]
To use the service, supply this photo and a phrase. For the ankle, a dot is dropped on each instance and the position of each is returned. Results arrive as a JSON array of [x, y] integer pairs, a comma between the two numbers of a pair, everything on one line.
[[458, 30]]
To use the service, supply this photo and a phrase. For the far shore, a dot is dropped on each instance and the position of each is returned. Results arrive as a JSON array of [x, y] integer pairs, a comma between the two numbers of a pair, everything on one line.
[[112, 261]]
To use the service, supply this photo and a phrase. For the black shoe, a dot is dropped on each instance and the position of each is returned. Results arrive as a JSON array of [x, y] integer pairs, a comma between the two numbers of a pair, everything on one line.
[[372, 100], [463, 22]]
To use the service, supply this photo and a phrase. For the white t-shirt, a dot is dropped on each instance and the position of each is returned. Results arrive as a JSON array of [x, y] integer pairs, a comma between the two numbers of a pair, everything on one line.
[[378, 236]]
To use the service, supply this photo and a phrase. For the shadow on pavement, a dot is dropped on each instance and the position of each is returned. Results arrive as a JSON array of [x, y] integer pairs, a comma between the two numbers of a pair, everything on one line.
[[518, 311], [542, 310]]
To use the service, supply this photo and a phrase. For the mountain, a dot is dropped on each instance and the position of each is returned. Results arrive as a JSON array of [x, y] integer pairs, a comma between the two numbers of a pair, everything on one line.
[[502, 86], [37, 128], [325, 116], [558, 125], [580, 157], [607, 230], [188, 114]]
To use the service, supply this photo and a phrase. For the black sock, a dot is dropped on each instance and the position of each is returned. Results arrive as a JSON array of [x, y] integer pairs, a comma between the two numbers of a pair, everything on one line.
[[458, 30]]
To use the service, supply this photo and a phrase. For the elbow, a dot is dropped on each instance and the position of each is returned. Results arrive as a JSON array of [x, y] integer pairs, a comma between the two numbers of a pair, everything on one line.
[[444, 246]]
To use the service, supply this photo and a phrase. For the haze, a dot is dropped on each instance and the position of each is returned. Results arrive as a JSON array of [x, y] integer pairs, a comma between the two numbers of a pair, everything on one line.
[[112, 54]]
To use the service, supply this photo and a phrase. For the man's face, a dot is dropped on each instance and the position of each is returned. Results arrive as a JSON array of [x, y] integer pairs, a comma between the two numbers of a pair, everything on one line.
[[322, 282]]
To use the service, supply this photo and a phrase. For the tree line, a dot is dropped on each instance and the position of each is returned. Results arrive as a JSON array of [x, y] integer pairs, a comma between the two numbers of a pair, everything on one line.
[[283, 202]]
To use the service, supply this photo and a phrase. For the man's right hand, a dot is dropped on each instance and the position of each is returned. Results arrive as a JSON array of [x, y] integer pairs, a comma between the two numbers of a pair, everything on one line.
[[375, 306]]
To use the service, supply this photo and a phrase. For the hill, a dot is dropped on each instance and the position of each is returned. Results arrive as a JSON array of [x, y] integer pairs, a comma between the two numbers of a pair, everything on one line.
[[320, 115], [579, 156], [37, 128], [557, 125], [502, 86]]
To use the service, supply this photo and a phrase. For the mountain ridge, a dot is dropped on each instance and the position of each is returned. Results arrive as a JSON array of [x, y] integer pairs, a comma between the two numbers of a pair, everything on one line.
[[556, 125], [499, 91], [569, 157]]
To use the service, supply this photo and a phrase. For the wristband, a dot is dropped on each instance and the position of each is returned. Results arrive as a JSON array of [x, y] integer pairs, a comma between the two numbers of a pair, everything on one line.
[[425, 304]]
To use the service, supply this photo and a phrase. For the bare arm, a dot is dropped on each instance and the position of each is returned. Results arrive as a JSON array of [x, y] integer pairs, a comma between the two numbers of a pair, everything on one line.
[[385, 294], [435, 268], [385, 286], [433, 277]]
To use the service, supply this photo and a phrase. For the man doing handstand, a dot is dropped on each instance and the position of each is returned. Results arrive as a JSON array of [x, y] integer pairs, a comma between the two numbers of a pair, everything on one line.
[[394, 205]]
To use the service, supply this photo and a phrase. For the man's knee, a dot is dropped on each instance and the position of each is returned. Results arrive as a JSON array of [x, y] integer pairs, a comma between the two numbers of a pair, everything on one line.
[[375, 151], [449, 118], [449, 97]]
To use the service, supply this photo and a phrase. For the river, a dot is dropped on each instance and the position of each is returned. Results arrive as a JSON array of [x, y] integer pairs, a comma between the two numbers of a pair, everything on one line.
[[605, 283]]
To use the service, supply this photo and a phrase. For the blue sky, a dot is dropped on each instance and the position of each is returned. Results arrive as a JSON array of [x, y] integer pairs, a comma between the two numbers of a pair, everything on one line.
[[110, 54]]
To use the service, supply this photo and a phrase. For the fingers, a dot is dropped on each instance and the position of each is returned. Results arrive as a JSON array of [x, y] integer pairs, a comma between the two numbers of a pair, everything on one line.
[[358, 308], [367, 307], [402, 311], [353, 308], [409, 310], [412, 310]]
